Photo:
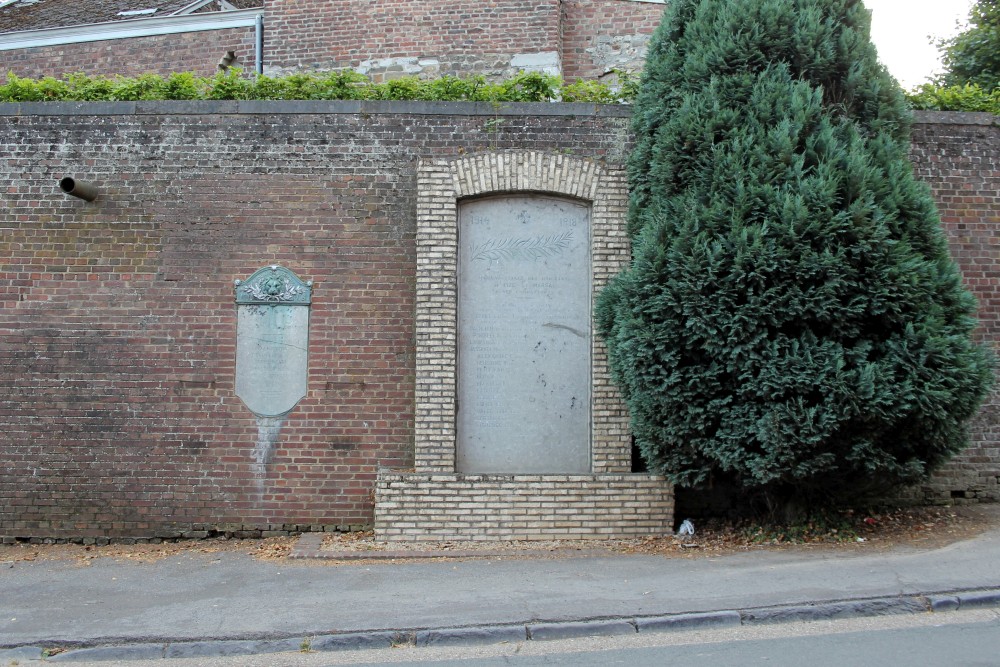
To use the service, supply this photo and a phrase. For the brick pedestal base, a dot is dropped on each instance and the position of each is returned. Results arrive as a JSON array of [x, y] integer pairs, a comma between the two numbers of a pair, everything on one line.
[[438, 507]]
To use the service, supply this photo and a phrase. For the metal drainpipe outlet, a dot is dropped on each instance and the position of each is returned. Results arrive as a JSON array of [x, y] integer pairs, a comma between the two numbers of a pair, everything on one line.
[[75, 188], [259, 43]]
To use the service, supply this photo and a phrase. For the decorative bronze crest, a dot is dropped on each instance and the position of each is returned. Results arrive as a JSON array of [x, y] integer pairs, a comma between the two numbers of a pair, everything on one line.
[[273, 285]]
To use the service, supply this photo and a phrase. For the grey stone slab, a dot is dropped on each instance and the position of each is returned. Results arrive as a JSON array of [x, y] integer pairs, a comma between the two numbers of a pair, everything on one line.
[[545, 61], [102, 653], [307, 546], [272, 357], [943, 602], [77, 108], [956, 117], [427, 108], [613, 111], [524, 336], [557, 109], [177, 107], [300, 107], [711, 619], [185, 107], [355, 641], [827, 611], [979, 599], [431, 108], [571, 629], [412, 107], [472, 636], [205, 649]]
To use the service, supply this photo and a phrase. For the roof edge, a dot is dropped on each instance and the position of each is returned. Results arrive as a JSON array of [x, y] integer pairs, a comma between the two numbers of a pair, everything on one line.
[[146, 27]]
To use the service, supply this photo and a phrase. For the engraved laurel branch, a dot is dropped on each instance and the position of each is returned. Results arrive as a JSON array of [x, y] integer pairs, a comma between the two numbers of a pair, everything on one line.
[[264, 290], [535, 248]]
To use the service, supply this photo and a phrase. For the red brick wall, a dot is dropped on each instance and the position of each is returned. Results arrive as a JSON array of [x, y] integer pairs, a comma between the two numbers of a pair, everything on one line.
[[440, 37], [465, 36], [162, 54], [599, 35], [958, 155], [117, 318]]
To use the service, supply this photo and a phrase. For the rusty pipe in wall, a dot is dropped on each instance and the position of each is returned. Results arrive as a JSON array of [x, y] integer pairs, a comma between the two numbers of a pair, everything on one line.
[[81, 189]]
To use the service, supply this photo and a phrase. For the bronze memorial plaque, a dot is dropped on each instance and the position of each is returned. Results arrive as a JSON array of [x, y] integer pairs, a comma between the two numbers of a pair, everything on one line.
[[272, 341]]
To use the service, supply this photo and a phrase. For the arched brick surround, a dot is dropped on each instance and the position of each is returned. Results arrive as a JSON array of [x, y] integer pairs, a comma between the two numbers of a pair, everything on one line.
[[434, 502], [441, 185]]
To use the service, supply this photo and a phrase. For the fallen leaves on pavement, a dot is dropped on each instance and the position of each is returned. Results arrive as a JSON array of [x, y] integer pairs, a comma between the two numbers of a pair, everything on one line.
[[918, 527]]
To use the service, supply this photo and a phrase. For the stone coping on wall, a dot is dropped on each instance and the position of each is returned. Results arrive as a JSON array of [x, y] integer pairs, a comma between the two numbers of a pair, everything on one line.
[[374, 107], [421, 507], [193, 107], [955, 118]]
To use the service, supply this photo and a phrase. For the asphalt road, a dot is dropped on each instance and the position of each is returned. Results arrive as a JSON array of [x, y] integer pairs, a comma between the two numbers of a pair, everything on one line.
[[958, 638], [976, 643]]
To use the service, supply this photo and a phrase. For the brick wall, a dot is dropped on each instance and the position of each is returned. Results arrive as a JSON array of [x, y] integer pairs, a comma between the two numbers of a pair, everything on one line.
[[117, 319], [958, 155], [602, 35], [522, 507], [396, 37], [588, 37], [388, 39], [197, 52]]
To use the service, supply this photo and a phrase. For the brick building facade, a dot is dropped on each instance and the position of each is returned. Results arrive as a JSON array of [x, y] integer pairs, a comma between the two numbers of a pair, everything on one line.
[[387, 39]]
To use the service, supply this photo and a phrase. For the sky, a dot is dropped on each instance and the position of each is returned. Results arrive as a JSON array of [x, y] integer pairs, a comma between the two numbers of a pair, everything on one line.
[[900, 30]]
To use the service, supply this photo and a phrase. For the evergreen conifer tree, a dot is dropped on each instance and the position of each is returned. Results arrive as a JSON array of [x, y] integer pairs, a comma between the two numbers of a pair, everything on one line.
[[791, 318]]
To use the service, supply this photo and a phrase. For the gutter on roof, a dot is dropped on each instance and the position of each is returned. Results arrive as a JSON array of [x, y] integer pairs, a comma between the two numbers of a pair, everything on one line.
[[146, 27]]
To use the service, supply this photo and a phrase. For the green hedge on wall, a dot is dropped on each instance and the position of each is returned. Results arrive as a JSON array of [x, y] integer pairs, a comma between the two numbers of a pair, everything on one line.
[[342, 85], [969, 97]]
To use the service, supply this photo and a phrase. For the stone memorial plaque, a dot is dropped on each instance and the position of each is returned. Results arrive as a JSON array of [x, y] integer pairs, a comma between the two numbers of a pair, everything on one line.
[[524, 336], [272, 341]]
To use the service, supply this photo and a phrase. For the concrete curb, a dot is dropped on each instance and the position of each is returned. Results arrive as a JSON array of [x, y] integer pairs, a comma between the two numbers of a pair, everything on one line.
[[836, 610], [703, 621], [574, 629], [515, 632]]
